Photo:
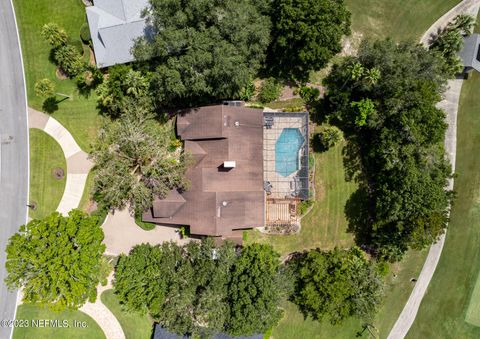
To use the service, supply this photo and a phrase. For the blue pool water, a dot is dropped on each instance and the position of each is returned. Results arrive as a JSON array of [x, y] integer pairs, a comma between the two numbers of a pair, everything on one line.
[[286, 151]]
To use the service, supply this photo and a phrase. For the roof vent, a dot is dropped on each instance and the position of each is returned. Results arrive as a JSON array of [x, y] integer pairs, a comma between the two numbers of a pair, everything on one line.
[[237, 123], [224, 203], [229, 164]]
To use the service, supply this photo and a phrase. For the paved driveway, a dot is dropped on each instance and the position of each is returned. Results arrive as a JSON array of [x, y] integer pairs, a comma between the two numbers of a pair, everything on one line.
[[13, 149]]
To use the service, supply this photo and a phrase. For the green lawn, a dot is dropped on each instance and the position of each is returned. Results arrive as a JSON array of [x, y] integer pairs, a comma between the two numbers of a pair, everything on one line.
[[397, 292], [398, 19], [78, 114], [45, 190], [135, 326], [32, 314], [444, 308], [325, 226]]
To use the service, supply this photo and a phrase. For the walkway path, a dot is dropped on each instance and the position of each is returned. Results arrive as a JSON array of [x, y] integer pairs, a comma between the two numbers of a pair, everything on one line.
[[78, 164], [450, 105], [102, 315]]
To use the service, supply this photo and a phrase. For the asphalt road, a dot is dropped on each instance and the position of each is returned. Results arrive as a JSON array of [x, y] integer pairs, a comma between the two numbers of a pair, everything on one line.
[[13, 149]]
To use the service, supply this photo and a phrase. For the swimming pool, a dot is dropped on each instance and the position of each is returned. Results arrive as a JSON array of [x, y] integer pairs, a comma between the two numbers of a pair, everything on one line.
[[286, 151]]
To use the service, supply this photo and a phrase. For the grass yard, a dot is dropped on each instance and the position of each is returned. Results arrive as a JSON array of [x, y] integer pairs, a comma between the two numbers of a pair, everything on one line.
[[398, 19], [397, 291], [451, 296], [325, 226], [45, 190], [78, 114], [32, 312], [135, 326]]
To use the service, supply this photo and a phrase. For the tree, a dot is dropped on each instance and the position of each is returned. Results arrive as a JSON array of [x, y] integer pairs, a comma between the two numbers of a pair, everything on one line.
[[56, 260], [253, 292], [194, 289], [337, 284], [183, 288], [122, 84], [54, 35], [397, 132], [44, 88], [270, 90], [134, 161], [204, 50], [329, 136], [305, 35], [464, 23], [450, 41]]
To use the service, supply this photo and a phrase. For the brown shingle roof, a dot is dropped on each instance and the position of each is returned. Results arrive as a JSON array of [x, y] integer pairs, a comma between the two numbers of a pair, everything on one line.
[[220, 200]]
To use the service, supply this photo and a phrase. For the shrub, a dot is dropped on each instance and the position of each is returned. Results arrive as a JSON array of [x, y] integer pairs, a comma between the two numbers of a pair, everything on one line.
[[247, 92], [44, 88], [304, 206], [329, 136], [90, 78], [85, 34], [270, 90], [54, 35], [68, 58], [309, 94], [78, 45]]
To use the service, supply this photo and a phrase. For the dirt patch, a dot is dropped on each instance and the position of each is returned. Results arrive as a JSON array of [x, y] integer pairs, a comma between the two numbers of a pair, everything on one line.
[[92, 57], [58, 173], [91, 206], [351, 44], [61, 75]]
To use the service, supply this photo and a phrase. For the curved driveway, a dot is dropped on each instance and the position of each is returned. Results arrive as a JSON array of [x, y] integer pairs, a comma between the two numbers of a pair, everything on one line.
[[14, 176]]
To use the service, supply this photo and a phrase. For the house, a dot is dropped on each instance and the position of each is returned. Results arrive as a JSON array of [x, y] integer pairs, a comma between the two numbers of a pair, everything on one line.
[[227, 188], [114, 27], [470, 53]]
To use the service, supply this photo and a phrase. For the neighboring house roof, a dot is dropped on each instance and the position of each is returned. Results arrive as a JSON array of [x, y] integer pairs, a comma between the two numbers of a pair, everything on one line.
[[470, 52], [162, 333], [220, 200], [114, 27]]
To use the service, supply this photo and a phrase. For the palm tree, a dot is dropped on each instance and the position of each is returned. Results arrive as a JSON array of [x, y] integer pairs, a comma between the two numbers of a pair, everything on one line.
[[356, 70], [135, 83], [372, 75], [464, 23], [44, 88]]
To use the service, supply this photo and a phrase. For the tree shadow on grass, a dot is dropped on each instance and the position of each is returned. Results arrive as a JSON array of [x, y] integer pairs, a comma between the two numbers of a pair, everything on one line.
[[50, 105], [359, 220]]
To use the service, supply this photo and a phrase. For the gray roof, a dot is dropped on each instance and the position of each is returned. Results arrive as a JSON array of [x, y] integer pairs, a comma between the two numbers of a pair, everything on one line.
[[470, 52], [114, 27]]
